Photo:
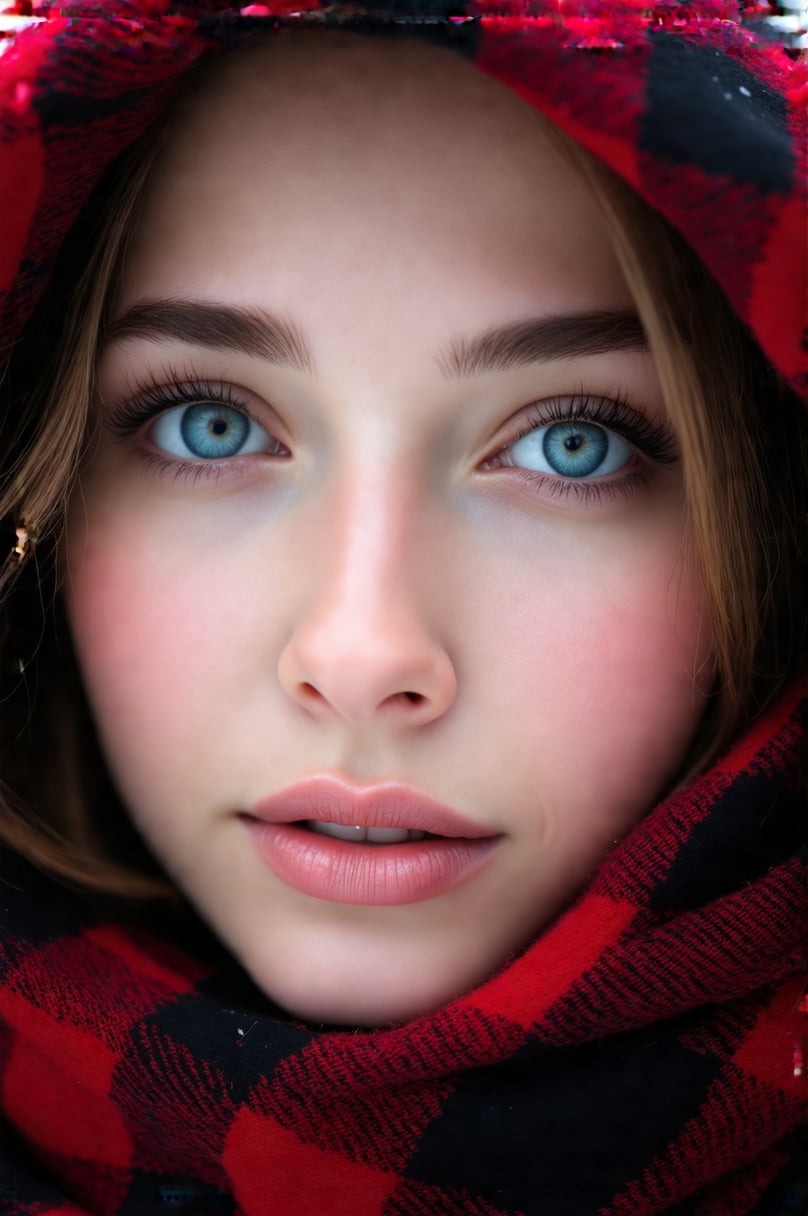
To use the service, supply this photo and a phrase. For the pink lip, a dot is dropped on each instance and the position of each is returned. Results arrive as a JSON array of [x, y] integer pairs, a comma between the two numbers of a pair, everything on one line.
[[337, 870], [379, 806]]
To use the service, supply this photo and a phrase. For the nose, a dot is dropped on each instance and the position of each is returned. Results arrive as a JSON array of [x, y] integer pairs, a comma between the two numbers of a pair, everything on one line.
[[365, 644]]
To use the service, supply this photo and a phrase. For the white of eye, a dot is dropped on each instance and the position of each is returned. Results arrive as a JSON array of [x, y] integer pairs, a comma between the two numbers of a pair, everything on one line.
[[218, 432], [579, 448]]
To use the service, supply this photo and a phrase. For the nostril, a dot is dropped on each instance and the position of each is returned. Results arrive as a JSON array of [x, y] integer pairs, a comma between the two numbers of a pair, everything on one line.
[[312, 692], [414, 698]]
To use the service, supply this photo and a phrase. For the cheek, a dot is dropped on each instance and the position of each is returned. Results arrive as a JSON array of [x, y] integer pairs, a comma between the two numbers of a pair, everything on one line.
[[150, 640], [609, 662], [118, 614]]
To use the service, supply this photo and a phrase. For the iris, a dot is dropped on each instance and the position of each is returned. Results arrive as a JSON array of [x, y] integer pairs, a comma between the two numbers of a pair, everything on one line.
[[212, 431], [575, 449]]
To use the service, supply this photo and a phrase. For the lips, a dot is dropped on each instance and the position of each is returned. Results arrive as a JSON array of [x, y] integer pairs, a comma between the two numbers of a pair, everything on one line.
[[380, 806], [368, 871]]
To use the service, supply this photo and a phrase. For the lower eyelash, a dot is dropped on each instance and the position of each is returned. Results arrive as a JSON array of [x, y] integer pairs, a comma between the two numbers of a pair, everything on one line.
[[192, 471], [175, 389], [585, 491], [612, 414]]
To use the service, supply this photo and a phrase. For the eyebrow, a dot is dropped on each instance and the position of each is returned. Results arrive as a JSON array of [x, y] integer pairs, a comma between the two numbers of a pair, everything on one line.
[[249, 331], [268, 336]]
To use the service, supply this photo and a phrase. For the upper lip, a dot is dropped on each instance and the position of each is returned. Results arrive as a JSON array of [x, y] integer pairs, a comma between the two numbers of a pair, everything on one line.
[[384, 806]]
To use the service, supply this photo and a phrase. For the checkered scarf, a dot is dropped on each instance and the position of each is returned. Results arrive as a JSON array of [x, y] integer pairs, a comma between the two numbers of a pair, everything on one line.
[[642, 1056], [706, 118]]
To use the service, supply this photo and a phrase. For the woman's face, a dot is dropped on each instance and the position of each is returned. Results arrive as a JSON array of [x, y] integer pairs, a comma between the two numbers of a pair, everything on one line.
[[384, 560]]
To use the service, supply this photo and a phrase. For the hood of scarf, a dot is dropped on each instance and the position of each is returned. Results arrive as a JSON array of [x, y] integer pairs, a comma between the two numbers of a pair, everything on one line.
[[699, 107], [643, 1055]]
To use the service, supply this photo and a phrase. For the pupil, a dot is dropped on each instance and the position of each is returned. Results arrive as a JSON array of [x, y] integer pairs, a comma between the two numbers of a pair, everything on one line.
[[573, 442], [218, 426]]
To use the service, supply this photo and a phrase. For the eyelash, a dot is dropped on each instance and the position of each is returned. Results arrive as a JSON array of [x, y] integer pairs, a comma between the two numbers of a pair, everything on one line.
[[615, 414], [154, 397], [169, 391]]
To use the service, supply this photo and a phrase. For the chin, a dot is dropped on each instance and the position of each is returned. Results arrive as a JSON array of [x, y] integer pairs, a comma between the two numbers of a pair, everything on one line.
[[342, 1006], [331, 992], [339, 965]]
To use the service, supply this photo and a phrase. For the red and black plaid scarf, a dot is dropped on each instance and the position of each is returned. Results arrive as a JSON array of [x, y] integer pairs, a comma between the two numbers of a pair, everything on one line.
[[703, 114], [644, 1055], [641, 1057]]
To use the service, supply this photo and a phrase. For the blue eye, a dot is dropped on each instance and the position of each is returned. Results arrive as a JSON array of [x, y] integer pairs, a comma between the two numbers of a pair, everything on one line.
[[572, 449], [208, 431]]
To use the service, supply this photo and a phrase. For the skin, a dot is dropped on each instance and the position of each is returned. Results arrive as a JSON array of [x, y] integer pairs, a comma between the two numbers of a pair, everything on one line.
[[243, 631]]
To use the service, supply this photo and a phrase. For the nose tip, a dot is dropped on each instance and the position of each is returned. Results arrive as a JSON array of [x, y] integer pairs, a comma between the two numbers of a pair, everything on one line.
[[366, 635], [366, 672]]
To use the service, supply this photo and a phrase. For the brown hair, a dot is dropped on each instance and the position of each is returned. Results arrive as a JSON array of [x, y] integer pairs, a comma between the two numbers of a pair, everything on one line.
[[744, 438]]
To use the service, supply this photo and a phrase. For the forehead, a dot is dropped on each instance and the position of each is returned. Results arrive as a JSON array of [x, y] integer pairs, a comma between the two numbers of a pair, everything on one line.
[[324, 172]]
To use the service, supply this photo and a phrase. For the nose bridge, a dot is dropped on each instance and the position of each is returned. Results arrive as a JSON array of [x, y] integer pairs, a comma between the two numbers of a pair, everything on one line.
[[371, 563], [364, 640]]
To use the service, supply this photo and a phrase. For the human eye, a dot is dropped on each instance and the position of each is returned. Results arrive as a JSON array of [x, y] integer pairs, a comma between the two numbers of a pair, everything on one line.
[[207, 431], [191, 425], [575, 446]]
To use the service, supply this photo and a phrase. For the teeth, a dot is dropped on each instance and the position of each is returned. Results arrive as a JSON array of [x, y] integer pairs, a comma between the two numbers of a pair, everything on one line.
[[339, 830], [359, 833], [387, 835]]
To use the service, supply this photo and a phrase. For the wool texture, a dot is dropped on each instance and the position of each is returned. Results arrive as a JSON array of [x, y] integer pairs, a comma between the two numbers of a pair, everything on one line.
[[703, 116], [638, 1058]]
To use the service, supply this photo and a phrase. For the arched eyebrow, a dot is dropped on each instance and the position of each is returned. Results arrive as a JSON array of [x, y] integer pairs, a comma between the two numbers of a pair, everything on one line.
[[278, 340], [543, 339], [248, 331]]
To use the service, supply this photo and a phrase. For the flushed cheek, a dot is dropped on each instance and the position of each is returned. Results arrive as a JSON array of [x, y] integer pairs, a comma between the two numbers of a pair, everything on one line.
[[609, 671], [153, 646]]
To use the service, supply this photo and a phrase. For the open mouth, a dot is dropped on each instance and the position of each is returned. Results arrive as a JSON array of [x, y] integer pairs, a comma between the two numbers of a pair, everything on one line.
[[360, 834], [367, 865]]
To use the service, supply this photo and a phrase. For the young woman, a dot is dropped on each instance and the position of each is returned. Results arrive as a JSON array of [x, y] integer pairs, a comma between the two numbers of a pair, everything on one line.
[[404, 615]]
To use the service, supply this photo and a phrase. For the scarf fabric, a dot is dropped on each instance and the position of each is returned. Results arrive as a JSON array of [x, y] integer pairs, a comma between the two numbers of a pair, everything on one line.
[[641, 1057], [704, 116]]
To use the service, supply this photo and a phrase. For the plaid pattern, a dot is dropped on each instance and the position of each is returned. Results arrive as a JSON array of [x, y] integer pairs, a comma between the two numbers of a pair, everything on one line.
[[707, 122], [638, 1058]]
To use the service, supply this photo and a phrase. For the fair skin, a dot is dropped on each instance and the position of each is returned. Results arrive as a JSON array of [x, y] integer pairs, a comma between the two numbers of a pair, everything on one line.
[[247, 622]]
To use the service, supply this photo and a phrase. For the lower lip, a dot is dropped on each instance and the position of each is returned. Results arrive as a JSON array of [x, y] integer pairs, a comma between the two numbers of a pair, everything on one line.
[[348, 873]]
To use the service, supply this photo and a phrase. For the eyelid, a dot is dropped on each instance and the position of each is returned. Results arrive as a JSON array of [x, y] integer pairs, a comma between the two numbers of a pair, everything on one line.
[[155, 395], [173, 387], [616, 413], [656, 442]]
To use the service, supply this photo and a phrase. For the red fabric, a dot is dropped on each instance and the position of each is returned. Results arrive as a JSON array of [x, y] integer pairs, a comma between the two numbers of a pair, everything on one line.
[[744, 214], [670, 991]]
